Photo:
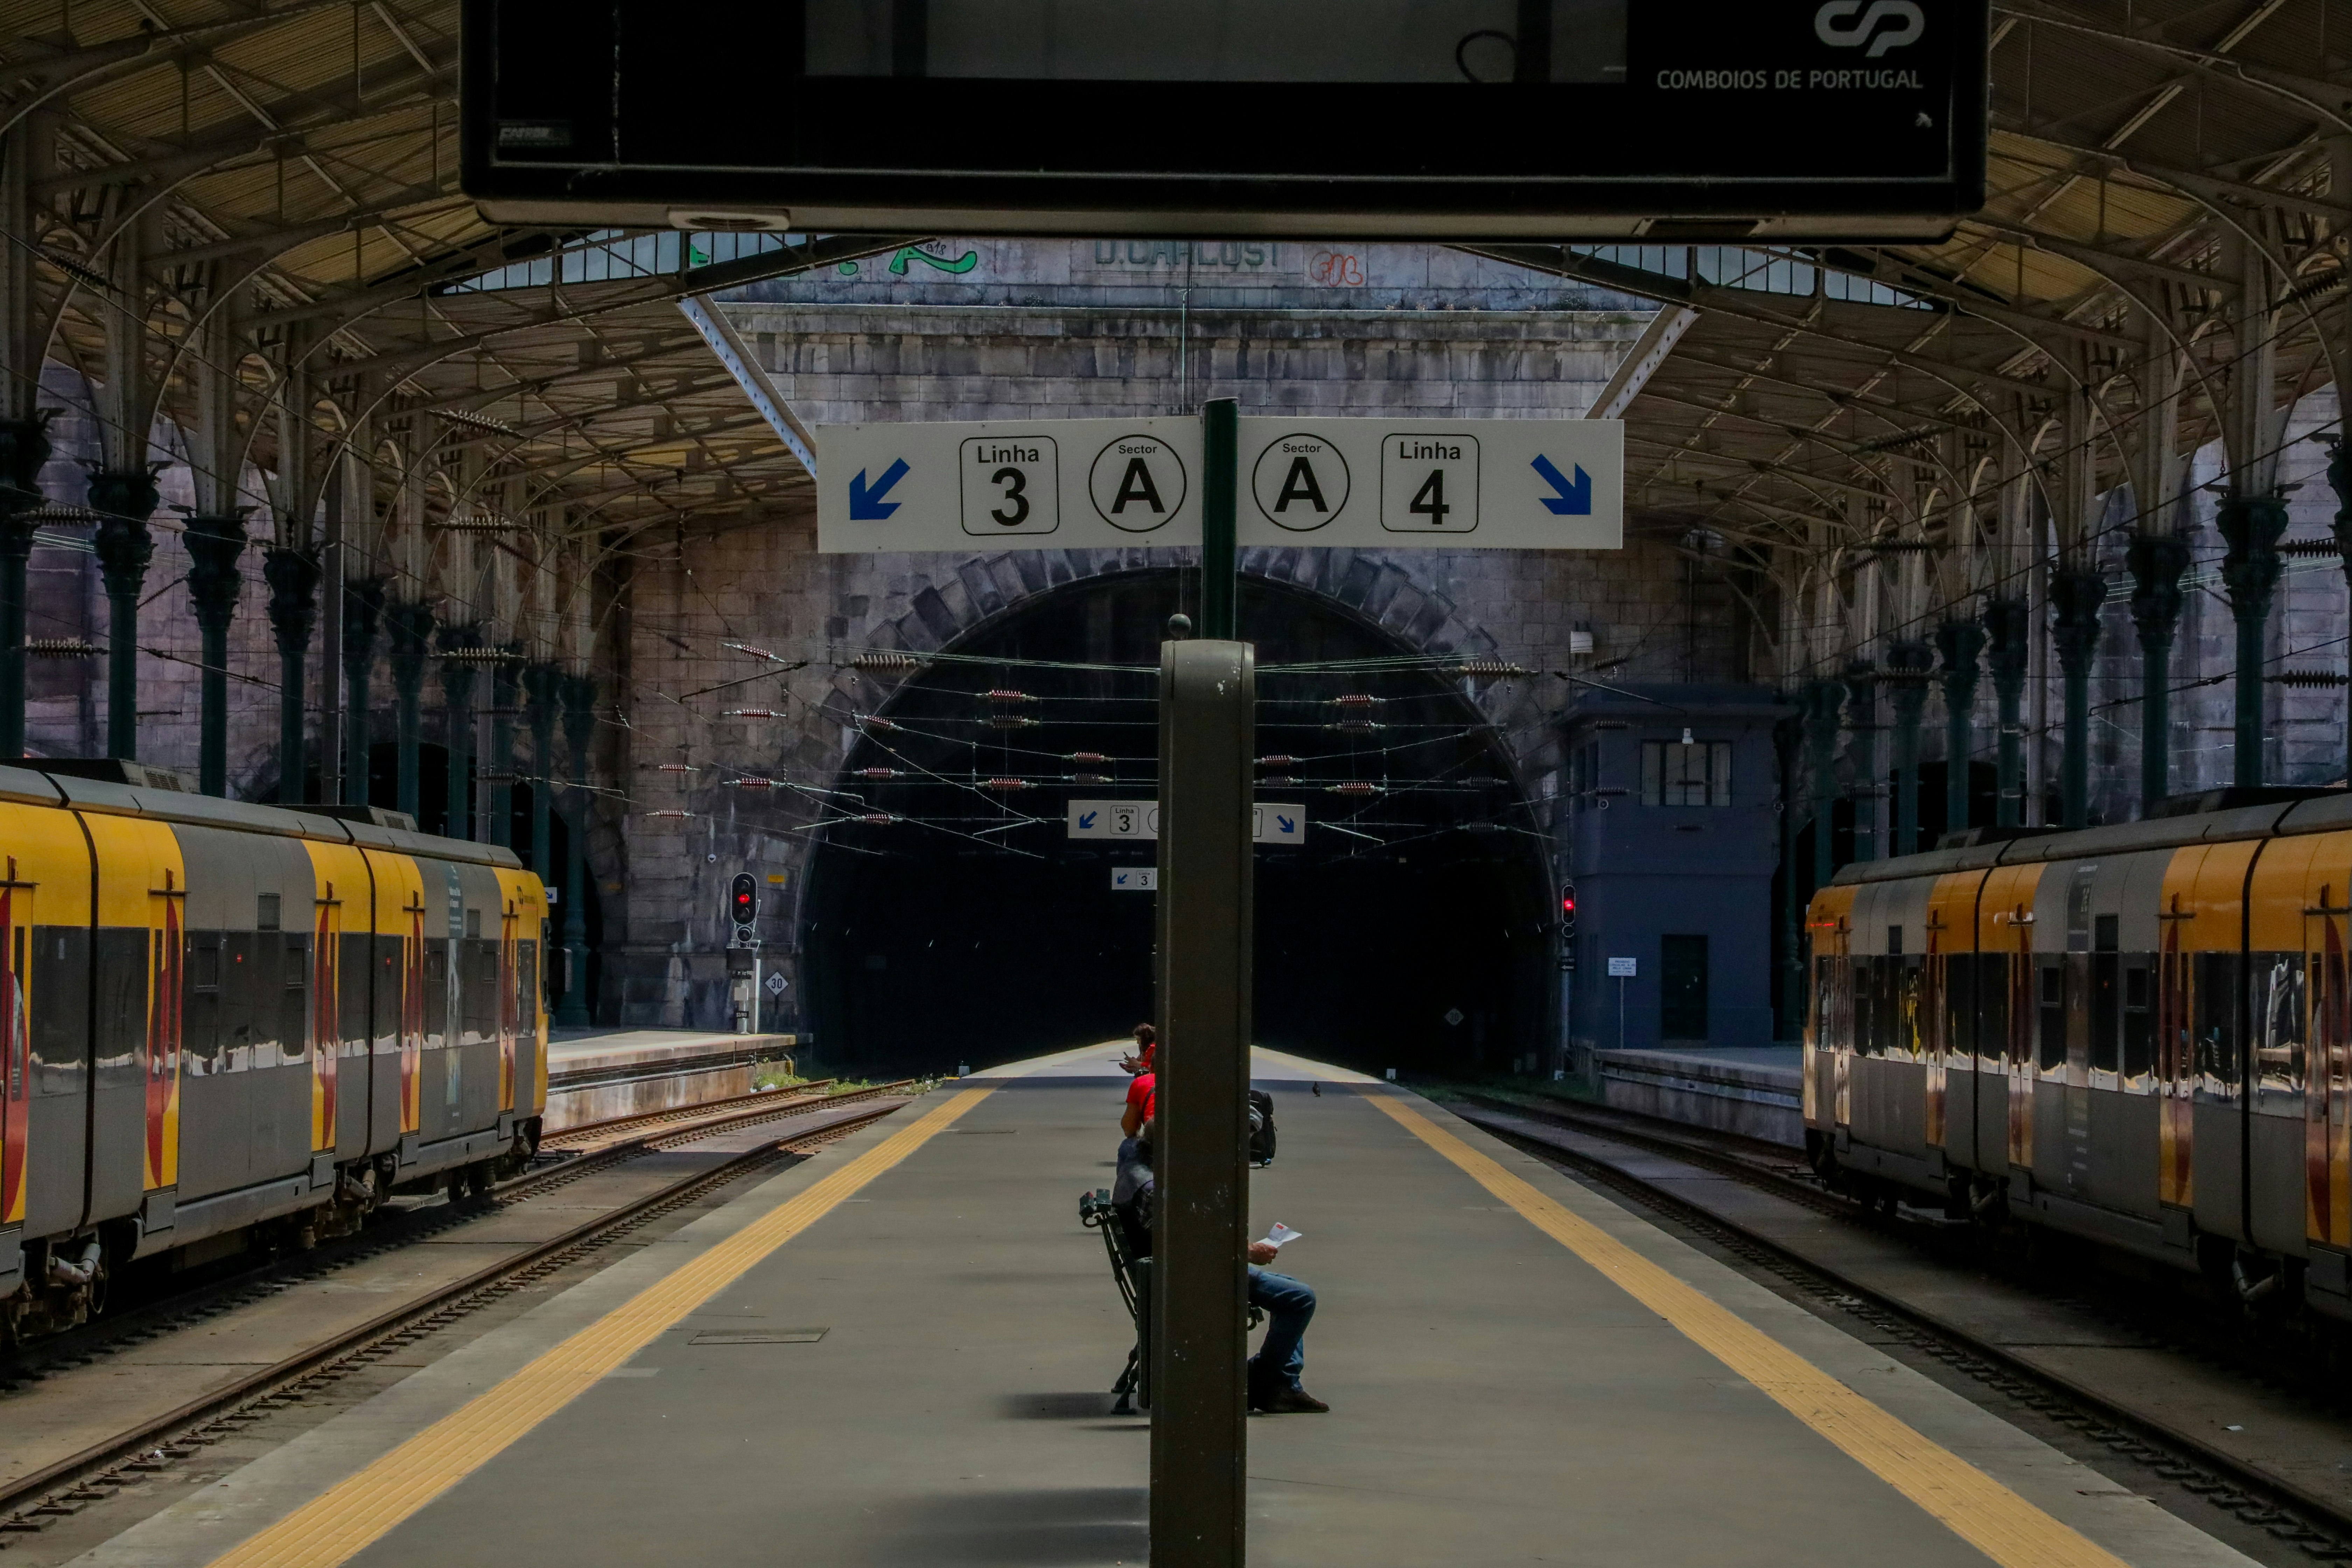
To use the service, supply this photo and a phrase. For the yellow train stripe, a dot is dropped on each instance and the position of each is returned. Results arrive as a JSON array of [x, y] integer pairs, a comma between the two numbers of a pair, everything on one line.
[[361, 1508], [1971, 1504]]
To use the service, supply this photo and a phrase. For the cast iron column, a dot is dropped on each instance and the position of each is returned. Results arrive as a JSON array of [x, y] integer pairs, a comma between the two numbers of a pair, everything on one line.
[[1958, 644], [412, 643], [24, 448], [505, 677], [214, 541], [1862, 721], [580, 733], [2156, 562], [1822, 700], [2250, 572], [541, 684], [293, 579], [363, 603], [1906, 688], [2076, 596], [457, 692], [125, 500], [2009, 653]]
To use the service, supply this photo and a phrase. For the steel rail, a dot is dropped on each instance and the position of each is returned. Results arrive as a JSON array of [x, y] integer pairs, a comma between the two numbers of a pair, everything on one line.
[[60, 1489]]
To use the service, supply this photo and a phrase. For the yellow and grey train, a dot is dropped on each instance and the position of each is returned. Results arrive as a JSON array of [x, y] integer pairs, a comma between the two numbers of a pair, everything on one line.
[[2140, 1035], [215, 1015]]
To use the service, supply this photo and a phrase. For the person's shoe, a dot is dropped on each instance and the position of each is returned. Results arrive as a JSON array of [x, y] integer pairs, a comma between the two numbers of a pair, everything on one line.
[[1287, 1401], [1260, 1388]]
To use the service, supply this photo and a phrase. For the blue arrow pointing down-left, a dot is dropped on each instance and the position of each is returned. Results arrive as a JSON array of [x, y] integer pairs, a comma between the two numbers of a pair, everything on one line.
[[867, 505]]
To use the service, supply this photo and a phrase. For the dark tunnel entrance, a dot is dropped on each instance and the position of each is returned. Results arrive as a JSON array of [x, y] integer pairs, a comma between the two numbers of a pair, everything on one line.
[[1412, 929]]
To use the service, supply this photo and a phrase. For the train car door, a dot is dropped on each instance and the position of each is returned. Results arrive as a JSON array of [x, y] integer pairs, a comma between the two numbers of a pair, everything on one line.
[[340, 940], [2327, 1075], [2005, 1026], [2288, 888], [524, 907], [1828, 1014], [46, 900], [138, 951], [397, 1002], [1947, 1013], [2201, 985]]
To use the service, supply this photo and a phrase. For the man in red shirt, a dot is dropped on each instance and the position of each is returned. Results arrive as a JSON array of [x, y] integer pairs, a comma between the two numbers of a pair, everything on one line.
[[1141, 1089]]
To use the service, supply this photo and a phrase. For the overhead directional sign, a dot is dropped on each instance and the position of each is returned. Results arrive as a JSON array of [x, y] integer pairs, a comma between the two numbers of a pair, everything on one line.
[[1506, 484], [1135, 878], [1275, 822]]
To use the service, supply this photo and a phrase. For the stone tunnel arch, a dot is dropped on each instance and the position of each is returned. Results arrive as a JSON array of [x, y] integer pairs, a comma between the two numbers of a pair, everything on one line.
[[1415, 931]]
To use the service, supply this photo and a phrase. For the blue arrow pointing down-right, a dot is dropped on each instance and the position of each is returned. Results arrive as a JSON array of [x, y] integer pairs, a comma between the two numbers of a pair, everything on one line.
[[1573, 499]]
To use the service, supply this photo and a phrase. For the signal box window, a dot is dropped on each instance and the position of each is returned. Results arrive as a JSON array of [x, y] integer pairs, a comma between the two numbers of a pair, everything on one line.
[[1698, 773]]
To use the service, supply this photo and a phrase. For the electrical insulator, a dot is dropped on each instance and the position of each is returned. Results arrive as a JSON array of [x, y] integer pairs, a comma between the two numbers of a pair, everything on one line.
[[1094, 757], [888, 663], [674, 768], [743, 899], [873, 725], [879, 773], [1278, 782], [754, 652], [1007, 785], [877, 819], [675, 816], [1277, 761], [1002, 694], [1487, 669], [1090, 778], [1011, 721], [1355, 727], [1358, 699], [754, 784], [1357, 787], [752, 713]]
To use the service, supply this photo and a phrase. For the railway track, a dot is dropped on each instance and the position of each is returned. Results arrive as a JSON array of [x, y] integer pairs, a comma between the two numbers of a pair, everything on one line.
[[2320, 1526], [31, 1502]]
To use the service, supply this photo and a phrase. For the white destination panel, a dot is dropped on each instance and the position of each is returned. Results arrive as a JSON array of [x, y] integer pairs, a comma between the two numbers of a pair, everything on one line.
[[1135, 878], [1036, 484], [1505, 484], [1275, 821], [1500, 484]]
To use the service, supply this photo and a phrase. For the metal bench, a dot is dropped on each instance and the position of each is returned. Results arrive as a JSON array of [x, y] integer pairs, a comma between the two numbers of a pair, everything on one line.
[[1133, 1273]]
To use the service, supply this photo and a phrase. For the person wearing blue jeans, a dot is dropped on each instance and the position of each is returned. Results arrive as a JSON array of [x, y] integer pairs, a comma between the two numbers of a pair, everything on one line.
[[1289, 1306]]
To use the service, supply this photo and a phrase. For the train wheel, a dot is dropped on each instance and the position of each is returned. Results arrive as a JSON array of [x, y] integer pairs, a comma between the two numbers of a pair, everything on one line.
[[479, 1176]]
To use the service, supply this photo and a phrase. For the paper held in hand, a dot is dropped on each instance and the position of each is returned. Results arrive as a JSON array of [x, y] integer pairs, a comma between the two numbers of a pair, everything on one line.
[[1281, 1233]]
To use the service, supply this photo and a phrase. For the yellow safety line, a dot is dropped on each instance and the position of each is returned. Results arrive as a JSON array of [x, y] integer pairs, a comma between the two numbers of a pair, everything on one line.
[[1976, 1508], [361, 1508]]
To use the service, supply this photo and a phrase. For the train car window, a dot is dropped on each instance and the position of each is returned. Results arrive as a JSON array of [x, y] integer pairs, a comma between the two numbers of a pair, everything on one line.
[[436, 988], [1895, 941], [2215, 980], [293, 998], [473, 925], [298, 962], [2106, 1001], [2104, 933], [265, 914], [1960, 1003], [122, 962], [2278, 1014], [1992, 1003], [205, 964], [2139, 1020], [2050, 985], [351, 979], [1870, 1006], [1904, 1037]]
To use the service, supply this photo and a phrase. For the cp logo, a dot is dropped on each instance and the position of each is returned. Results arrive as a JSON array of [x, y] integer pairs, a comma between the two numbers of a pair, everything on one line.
[[1902, 20]]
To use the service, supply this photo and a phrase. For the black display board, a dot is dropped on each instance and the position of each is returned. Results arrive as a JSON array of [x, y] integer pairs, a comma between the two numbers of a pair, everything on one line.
[[1442, 119]]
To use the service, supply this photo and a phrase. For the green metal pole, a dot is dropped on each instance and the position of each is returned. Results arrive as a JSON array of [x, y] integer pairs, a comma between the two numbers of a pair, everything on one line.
[[1207, 723], [2250, 572], [24, 449], [213, 544], [1219, 485], [123, 500], [2076, 596], [2008, 651], [1959, 644]]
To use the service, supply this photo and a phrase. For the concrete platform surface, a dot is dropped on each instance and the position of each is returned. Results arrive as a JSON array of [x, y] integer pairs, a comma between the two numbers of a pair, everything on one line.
[[895, 1354], [1755, 1092]]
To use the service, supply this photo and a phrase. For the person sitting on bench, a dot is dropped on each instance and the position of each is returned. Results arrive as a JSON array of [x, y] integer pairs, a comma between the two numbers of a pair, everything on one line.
[[1142, 1089], [1288, 1304]]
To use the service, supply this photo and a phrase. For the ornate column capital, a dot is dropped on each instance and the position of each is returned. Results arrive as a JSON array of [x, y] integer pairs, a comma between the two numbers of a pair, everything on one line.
[[2157, 562], [2252, 525], [214, 541], [124, 499], [2075, 595], [293, 579]]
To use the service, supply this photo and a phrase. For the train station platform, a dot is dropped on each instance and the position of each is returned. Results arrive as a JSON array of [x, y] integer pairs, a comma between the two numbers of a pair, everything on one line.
[[594, 1074], [895, 1352]]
